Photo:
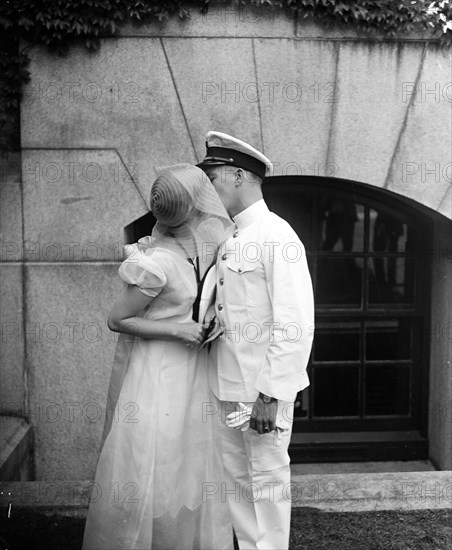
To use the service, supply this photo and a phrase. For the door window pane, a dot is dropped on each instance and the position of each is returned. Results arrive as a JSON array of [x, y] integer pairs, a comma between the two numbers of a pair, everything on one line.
[[387, 389], [391, 281], [336, 391], [301, 405], [337, 341], [341, 227], [296, 208], [388, 339], [339, 282], [386, 233]]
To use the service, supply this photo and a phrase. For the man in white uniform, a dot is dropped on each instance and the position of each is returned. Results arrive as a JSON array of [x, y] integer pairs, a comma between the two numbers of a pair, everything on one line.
[[265, 306]]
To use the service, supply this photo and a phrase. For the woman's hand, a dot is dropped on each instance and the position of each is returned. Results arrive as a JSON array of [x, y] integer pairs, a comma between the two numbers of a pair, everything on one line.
[[190, 334]]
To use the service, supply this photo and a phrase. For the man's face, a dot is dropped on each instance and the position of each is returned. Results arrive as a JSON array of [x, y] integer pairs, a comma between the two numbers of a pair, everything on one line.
[[223, 180]]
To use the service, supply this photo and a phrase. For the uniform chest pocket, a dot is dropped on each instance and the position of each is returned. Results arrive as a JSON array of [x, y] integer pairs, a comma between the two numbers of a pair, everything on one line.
[[240, 283], [241, 267]]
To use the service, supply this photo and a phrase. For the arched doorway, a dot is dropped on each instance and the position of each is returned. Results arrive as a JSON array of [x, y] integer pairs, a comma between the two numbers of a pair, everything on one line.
[[369, 365]]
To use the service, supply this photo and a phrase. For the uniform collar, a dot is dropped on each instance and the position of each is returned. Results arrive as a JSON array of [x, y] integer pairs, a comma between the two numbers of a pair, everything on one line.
[[251, 214]]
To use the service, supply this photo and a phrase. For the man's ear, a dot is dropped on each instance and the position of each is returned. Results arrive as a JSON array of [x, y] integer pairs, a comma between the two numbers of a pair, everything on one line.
[[239, 177]]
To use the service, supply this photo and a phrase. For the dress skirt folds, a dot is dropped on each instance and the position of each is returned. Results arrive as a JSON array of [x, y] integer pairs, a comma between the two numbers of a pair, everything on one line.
[[159, 476]]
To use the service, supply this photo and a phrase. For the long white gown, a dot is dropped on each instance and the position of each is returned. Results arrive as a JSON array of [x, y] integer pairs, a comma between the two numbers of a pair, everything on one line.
[[159, 474]]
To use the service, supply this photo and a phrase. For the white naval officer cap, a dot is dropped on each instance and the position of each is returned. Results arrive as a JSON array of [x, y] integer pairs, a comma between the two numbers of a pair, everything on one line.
[[226, 149]]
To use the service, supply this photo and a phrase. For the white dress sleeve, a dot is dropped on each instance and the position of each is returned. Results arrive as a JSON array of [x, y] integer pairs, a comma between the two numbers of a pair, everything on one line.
[[143, 269]]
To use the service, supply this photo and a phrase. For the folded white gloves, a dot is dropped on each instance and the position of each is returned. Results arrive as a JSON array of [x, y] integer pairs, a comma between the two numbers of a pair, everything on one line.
[[241, 420]]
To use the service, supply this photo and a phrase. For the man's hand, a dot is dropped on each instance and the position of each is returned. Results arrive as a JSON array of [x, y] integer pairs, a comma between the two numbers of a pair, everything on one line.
[[263, 417], [209, 314], [211, 327]]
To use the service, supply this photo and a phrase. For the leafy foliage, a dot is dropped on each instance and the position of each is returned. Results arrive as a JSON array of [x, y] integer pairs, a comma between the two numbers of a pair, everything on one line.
[[392, 17], [59, 23]]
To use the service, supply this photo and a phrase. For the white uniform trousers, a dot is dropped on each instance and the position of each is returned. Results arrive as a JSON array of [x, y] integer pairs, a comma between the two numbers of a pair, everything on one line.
[[257, 481]]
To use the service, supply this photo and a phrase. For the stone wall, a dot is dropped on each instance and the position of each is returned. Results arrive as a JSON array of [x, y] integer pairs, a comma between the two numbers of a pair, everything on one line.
[[440, 387], [95, 125]]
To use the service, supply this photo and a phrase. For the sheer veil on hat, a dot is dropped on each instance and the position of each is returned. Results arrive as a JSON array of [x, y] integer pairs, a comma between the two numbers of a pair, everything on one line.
[[191, 219]]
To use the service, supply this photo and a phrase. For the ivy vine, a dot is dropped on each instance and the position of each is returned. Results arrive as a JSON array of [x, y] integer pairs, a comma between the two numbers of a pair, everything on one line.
[[58, 24]]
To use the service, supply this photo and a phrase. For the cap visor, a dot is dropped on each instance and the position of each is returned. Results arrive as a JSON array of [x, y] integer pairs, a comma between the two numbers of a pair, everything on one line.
[[207, 163]]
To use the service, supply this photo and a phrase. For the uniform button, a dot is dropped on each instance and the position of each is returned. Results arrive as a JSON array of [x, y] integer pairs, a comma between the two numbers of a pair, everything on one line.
[[220, 307], [221, 282], [236, 234], [224, 257]]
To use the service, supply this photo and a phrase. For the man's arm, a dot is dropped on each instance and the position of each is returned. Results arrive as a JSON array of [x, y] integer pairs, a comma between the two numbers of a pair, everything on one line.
[[283, 373]]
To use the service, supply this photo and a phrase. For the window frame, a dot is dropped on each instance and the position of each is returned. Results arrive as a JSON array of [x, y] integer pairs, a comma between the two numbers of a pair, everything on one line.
[[407, 211]]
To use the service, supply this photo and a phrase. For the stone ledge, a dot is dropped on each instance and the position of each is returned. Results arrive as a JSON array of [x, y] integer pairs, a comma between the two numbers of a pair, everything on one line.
[[329, 493], [16, 443]]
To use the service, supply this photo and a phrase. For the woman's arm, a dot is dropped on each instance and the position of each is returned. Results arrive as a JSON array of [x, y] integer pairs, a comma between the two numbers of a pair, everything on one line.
[[124, 318]]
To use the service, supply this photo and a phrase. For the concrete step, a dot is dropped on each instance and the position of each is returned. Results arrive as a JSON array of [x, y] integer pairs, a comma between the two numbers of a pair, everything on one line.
[[363, 467], [341, 492], [362, 492]]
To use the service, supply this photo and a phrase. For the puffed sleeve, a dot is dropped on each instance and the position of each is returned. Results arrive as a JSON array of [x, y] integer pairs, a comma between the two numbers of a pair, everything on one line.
[[142, 269]]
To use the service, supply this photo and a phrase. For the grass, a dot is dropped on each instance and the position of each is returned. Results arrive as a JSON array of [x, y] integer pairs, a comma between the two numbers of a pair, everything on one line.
[[389, 530], [311, 530]]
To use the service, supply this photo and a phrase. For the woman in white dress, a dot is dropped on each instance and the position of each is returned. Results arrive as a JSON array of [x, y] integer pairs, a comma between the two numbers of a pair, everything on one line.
[[159, 474]]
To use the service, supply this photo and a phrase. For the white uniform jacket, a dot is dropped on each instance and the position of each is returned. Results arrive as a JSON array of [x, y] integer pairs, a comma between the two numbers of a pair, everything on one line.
[[265, 304]]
